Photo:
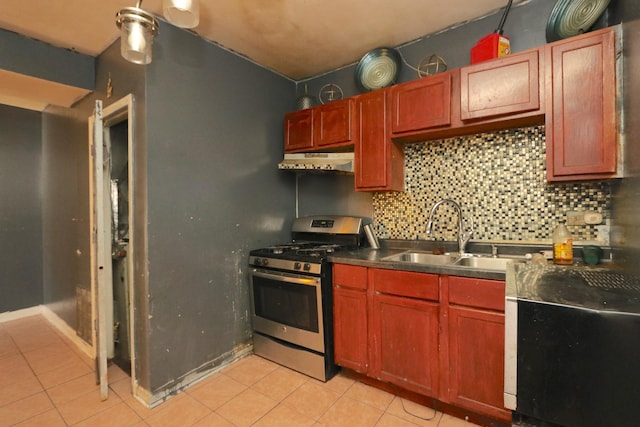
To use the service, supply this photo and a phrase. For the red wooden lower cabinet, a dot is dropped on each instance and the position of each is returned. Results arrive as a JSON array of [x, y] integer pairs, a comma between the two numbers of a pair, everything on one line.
[[475, 336], [438, 336], [406, 343], [350, 317]]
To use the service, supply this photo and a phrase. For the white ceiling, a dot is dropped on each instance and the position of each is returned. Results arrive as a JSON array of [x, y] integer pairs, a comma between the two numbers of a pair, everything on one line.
[[296, 38]]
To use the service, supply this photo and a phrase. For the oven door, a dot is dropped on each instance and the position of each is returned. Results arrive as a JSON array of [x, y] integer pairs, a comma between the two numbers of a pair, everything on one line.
[[288, 307]]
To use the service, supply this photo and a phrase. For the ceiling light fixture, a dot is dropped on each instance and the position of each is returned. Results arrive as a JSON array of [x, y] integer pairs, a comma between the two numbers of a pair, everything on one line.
[[137, 30], [182, 13]]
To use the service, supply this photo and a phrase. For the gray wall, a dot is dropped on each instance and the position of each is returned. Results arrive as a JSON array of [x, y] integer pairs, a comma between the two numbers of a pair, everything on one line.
[[627, 204], [31, 57], [20, 209], [65, 221], [215, 133]]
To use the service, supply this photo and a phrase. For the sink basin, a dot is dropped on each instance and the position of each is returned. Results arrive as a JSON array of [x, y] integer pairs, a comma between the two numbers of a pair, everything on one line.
[[417, 257], [499, 264]]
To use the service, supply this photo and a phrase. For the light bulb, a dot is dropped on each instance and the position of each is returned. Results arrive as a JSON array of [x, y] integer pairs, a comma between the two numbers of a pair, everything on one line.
[[136, 43], [182, 13]]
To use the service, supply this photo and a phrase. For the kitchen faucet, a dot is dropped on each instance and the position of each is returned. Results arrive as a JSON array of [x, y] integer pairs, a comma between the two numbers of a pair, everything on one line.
[[463, 236]]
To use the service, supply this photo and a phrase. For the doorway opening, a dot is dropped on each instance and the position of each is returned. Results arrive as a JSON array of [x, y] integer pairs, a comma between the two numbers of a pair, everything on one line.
[[112, 256]]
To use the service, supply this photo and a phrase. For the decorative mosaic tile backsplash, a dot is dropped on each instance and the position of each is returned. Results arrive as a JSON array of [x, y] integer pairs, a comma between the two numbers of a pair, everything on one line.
[[499, 179]]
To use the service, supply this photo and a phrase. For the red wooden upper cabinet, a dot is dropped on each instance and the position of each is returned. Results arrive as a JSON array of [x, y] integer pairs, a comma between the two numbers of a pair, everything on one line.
[[321, 128], [334, 124], [298, 131], [421, 104], [510, 85], [379, 162], [581, 129]]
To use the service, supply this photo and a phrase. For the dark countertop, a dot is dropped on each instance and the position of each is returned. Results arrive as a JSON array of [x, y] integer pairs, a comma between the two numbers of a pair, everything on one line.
[[602, 287]]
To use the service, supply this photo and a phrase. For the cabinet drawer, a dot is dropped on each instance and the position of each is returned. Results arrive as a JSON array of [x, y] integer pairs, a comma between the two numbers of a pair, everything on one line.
[[406, 283], [480, 293], [350, 276]]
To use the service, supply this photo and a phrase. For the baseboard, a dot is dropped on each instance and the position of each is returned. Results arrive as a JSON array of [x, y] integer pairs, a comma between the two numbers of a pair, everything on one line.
[[68, 332], [8, 316]]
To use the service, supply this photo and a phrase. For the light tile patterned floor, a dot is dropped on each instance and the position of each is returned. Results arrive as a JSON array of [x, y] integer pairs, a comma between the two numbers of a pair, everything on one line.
[[46, 381]]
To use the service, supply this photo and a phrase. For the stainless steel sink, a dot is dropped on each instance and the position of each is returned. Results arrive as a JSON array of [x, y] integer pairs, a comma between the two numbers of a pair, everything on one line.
[[417, 257], [466, 261], [484, 263]]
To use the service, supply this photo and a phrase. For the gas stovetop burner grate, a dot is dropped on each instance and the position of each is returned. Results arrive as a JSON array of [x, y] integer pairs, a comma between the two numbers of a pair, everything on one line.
[[611, 280], [279, 249]]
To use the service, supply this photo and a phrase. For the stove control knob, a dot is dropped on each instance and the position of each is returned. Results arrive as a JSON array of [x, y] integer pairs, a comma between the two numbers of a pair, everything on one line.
[[296, 266], [307, 266], [265, 262]]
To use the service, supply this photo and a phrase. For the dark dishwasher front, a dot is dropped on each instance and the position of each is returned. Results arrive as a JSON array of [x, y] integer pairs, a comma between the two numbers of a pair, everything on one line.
[[578, 367]]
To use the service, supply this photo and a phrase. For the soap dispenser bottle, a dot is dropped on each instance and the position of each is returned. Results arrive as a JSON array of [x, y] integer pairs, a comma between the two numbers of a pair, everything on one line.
[[562, 246]]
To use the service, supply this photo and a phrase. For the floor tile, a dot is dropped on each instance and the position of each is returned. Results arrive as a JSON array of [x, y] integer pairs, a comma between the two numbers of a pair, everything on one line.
[[183, 412], [388, 420], [370, 395], [250, 370], [311, 399], [86, 406], [413, 412], [213, 420], [122, 388], [7, 346], [280, 383], [17, 381], [50, 357], [246, 408], [50, 418], [35, 340], [24, 409], [347, 412], [75, 369], [215, 392], [339, 383], [283, 415], [119, 415], [253, 391], [73, 389]]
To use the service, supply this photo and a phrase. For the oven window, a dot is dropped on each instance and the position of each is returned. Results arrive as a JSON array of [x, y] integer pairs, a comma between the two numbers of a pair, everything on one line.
[[291, 304]]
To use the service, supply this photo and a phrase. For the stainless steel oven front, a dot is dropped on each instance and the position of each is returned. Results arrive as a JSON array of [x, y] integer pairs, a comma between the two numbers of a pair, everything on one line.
[[292, 320], [288, 307]]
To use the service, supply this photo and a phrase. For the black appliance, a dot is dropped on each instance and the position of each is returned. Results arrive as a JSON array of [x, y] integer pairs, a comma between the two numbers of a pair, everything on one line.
[[291, 293], [572, 346]]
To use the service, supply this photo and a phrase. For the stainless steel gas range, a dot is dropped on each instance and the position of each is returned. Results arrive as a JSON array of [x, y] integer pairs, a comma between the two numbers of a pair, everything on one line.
[[292, 310]]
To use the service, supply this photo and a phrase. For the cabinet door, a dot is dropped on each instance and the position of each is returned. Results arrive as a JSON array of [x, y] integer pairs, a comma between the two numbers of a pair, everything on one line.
[[406, 343], [350, 328], [298, 130], [581, 129], [350, 317], [476, 361], [379, 162], [334, 124], [506, 86], [421, 104]]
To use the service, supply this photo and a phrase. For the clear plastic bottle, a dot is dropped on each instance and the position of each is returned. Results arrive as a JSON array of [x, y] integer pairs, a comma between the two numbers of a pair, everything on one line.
[[562, 246]]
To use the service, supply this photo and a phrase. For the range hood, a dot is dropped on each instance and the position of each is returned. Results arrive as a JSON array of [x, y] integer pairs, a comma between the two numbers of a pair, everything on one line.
[[340, 162]]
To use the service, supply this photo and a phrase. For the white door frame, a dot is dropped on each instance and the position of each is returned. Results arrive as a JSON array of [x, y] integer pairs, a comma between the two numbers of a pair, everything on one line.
[[102, 302]]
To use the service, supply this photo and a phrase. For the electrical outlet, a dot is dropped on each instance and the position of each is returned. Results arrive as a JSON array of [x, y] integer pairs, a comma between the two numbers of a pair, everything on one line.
[[575, 218], [593, 218]]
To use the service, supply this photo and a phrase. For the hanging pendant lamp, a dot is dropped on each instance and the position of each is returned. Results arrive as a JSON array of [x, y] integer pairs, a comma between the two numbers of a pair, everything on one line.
[[137, 30], [182, 13]]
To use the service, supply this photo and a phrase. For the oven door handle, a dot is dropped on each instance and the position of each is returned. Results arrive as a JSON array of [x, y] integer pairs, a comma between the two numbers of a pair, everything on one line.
[[283, 277]]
